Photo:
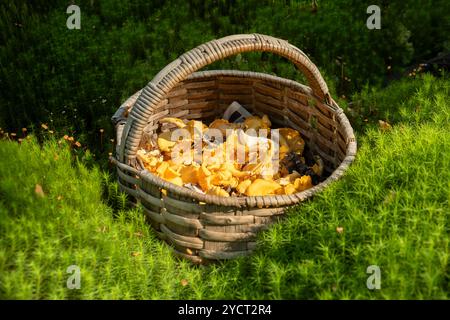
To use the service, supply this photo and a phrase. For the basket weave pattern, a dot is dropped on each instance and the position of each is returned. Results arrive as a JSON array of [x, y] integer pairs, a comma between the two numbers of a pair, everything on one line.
[[205, 227]]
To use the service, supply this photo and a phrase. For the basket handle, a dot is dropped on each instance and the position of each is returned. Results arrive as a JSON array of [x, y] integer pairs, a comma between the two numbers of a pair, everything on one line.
[[197, 58]]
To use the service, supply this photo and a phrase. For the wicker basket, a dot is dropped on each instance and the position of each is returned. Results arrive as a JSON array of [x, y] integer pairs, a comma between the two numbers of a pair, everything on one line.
[[204, 227]]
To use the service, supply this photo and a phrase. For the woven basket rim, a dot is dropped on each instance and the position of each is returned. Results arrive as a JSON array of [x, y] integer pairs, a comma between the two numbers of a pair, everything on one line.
[[251, 201]]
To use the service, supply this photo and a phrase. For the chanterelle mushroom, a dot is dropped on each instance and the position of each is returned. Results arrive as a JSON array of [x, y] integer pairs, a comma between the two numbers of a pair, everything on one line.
[[176, 121], [189, 174], [261, 187], [303, 183], [242, 186], [293, 138], [234, 166], [289, 189], [217, 191], [165, 142], [223, 125], [255, 122], [204, 178]]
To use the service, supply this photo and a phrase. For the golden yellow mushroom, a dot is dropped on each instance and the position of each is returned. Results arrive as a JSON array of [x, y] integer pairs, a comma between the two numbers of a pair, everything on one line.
[[288, 179], [297, 145], [243, 185], [256, 123], [176, 180], [162, 168], [262, 187], [204, 178], [221, 175], [149, 159], [165, 143], [196, 128], [171, 173], [176, 121], [233, 182], [189, 174], [217, 191], [223, 125], [266, 121], [289, 189], [283, 147], [293, 139], [303, 183], [224, 179], [235, 172]]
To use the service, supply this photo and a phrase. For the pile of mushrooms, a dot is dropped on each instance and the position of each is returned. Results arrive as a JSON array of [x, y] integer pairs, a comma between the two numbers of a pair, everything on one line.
[[222, 175]]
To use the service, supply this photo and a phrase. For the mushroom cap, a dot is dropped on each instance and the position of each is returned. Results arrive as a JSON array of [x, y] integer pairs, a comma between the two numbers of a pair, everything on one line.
[[176, 121], [165, 142], [223, 125], [217, 191], [189, 174], [289, 189], [262, 187], [303, 183], [255, 122], [293, 139], [177, 180], [243, 185]]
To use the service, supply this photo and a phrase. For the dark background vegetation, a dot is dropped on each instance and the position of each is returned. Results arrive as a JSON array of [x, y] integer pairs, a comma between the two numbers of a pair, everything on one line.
[[74, 80]]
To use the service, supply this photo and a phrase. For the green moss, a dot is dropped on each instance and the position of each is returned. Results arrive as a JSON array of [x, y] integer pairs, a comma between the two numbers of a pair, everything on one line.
[[393, 206]]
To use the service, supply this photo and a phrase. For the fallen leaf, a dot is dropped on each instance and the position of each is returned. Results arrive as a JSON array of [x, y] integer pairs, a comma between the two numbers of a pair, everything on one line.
[[340, 230], [39, 191], [184, 282], [384, 125], [44, 126], [135, 254], [389, 197]]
